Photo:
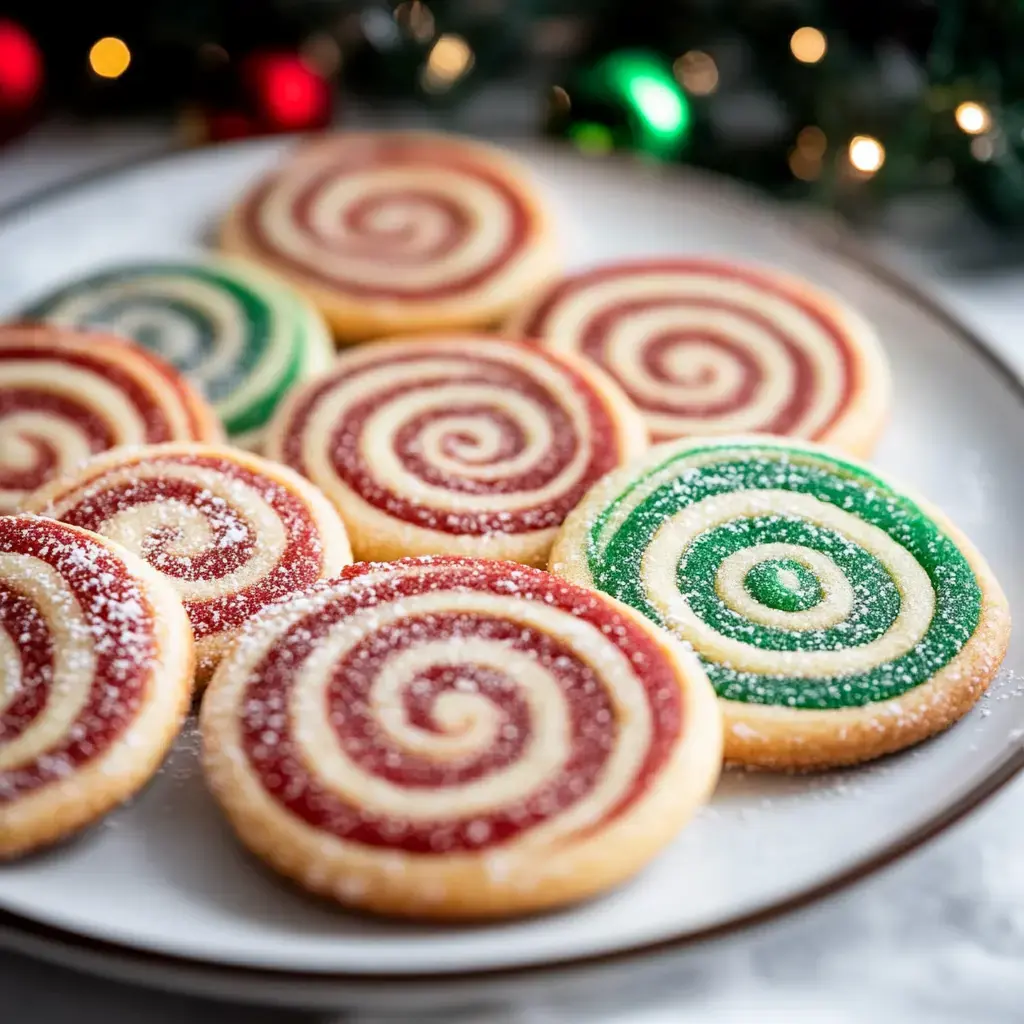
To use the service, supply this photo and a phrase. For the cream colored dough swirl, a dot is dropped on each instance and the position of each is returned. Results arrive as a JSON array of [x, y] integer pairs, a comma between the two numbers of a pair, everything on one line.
[[444, 443], [474, 718], [397, 225], [74, 660], [66, 395], [240, 336], [95, 675], [673, 538], [705, 347], [171, 531], [394, 231], [231, 532], [483, 721]]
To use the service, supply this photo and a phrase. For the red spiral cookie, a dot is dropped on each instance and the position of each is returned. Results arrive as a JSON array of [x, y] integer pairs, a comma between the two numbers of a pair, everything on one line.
[[708, 347], [395, 232], [95, 678], [455, 444], [230, 531], [456, 737], [67, 394]]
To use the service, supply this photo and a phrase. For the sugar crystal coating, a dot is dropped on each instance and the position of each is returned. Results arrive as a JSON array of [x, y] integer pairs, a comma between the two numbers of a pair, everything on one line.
[[81, 631], [800, 580]]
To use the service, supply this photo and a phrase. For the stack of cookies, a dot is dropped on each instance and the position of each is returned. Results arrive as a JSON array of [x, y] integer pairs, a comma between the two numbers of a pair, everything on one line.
[[477, 572]]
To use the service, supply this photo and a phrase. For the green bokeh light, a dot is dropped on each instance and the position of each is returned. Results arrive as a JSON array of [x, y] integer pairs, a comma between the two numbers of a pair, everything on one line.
[[658, 109]]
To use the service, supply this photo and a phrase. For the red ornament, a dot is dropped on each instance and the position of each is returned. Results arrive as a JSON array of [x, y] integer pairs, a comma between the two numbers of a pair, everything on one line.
[[21, 68], [21, 78], [289, 94], [264, 93]]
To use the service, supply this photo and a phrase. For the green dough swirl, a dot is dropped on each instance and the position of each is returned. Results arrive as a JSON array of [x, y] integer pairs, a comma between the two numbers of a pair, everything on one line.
[[239, 335], [800, 579]]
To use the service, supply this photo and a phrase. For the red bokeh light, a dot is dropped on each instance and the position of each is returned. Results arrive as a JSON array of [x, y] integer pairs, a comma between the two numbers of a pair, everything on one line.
[[21, 67], [291, 94]]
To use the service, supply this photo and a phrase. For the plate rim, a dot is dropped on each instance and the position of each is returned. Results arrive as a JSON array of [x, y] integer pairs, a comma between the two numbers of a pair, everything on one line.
[[824, 233]]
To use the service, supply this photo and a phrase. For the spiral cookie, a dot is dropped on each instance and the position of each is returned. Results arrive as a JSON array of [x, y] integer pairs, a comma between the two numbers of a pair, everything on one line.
[[95, 678], [239, 336], [455, 737], [455, 444], [706, 347], [397, 232], [838, 618], [231, 532], [65, 395]]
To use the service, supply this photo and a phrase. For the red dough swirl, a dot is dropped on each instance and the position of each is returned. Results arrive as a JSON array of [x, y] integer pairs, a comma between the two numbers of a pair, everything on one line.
[[454, 736], [230, 531], [95, 676], [67, 394], [455, 444], [708, 347], [392, 231]]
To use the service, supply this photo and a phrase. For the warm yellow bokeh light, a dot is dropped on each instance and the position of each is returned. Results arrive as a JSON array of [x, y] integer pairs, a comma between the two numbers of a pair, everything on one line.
[[804, 167], [866, 154], [449, 59], [808, 44], [417, 19], [811, 142], [697, 72], [110, 57], [973, 118]]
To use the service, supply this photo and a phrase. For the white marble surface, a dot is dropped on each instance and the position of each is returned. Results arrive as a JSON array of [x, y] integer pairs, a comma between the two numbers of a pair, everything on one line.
[[938, 938]]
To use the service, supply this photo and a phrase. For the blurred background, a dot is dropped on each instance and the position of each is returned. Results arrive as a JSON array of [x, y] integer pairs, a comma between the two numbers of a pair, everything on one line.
[[857, 107]]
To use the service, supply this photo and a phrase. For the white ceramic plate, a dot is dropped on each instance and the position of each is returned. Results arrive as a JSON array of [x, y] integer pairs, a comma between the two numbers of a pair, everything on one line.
[[163, 884]]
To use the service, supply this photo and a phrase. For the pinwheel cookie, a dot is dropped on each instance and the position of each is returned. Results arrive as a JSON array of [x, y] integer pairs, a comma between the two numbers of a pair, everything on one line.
[[458, 738], [455, 444], [393, 232], [242, 337], [838, 618], [95, 678], [66, 394], [230, 531], [703, 347]]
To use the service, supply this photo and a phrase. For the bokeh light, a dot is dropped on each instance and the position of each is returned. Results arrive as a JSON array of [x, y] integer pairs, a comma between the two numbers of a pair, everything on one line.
[[697, 72], [866, 154], [449, 60], [110, 57], [973, 118], [808, 44]]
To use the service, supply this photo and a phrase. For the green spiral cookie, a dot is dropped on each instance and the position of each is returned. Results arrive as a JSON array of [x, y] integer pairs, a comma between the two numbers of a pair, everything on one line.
[[803, 581], [241, 336]]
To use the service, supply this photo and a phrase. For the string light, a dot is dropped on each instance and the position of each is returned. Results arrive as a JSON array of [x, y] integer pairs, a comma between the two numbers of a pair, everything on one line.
[[804, 167], [866, 154], [642, 84], [110, 57], [973, 118], [812, 142], [808, 44], [659, 105], [697, 72], [417, 19], [805, 159], [450, 58]]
